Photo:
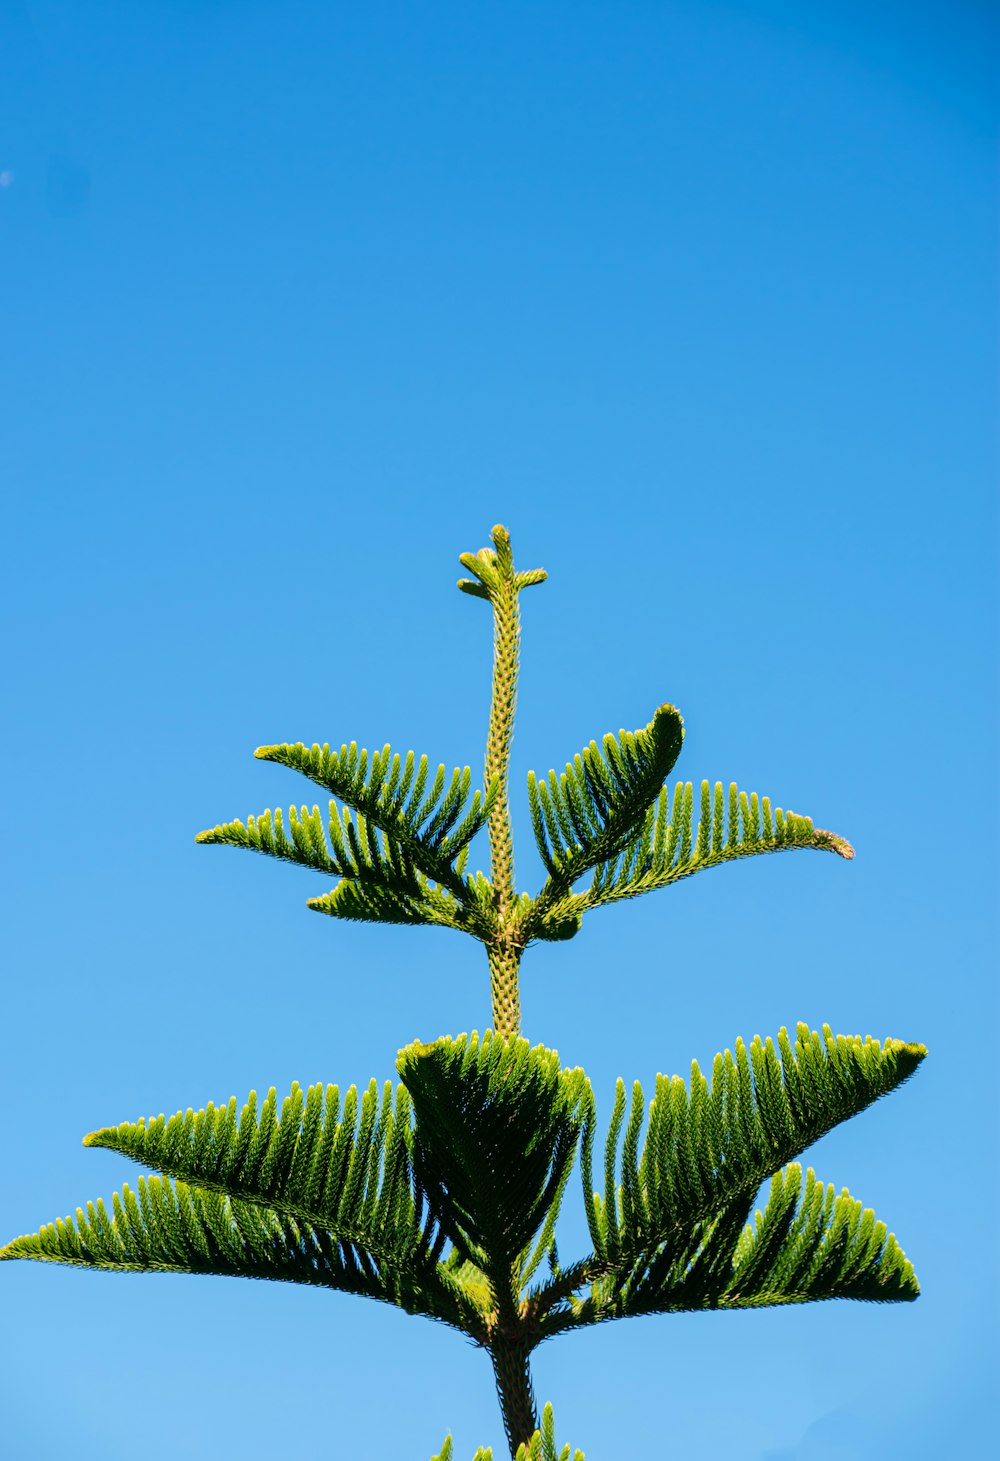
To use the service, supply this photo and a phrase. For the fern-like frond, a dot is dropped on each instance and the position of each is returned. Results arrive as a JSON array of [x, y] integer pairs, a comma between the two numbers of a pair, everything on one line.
[[400, 842], [447, 1453], [170, 1227], [588, 815], [667, 846], [765, 1105], [541, 1447], [431, 824], [496, 1132], [812, 1243], [807, 1244], [338, 1176], [681, 1195], [338, 1165], [367, 901]]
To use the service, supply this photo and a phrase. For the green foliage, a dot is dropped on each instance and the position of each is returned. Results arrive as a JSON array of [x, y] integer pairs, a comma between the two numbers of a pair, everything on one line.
[[442, 1196], [587, 816], [344, 1169], [496, 1134], [612, 814], [400, 857], [707, 1144], [813, 1244], [314, 1195], [670, 1233], [430, 1197], [540, 1447], [493, 566], [400, 848], [666, 847]]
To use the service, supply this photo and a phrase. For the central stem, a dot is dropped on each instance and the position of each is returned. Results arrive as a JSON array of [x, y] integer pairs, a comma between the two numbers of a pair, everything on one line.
[[514, 1389], [509, 1341], [504, 949]]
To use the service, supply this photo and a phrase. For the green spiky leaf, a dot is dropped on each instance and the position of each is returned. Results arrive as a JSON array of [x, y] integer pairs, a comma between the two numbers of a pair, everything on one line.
[[341, 1166], [808, 1244], [666, 846], [812, 1243], [541, 1446], [399, 843], [260, 1192], [170, 1227], [495, 1137], [764, 1106], [493, 567], [681, 1195], [585, 817]]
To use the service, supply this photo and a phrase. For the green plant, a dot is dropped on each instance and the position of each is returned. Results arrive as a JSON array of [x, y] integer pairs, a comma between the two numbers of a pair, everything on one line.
[[441, 1195]]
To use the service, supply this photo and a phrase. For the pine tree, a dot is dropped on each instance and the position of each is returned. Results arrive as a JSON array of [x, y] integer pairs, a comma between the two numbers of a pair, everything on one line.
[[441, 1195]]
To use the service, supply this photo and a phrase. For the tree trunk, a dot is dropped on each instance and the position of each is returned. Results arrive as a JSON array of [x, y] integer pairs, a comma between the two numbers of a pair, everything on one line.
[[514, 1390]]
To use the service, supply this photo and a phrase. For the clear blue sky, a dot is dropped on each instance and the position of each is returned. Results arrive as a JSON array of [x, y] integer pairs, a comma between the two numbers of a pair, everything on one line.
[[298, 300]]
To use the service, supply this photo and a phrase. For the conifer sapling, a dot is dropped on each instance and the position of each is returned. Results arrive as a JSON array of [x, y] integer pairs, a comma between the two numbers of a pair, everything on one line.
[[441, 1194]]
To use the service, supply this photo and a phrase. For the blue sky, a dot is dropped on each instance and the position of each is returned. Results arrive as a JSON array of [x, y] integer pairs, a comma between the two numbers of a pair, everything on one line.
[[299, 300]]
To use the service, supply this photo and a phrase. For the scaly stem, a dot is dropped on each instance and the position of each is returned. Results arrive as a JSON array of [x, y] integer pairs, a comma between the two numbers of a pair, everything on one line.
[[497, 581], [514, 1390], [504, 952]]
